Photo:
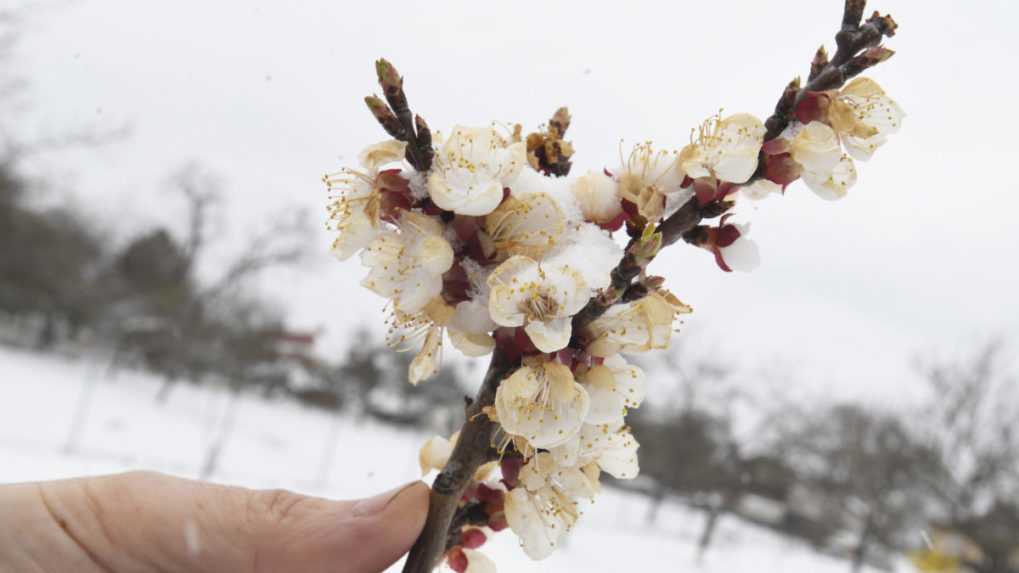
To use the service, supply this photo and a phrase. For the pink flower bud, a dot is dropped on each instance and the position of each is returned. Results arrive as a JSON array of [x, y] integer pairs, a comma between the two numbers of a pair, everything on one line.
[[457, 559], [473, 538]]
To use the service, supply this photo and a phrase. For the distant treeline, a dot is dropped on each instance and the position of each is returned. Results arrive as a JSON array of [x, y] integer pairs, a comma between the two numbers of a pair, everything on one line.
[[939, 482]]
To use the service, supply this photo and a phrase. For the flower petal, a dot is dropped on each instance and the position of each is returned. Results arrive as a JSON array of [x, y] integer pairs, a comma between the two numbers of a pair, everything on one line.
[[551, 335]]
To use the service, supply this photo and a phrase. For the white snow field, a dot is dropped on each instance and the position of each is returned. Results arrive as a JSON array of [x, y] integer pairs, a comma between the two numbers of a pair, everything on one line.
[[280, 444]]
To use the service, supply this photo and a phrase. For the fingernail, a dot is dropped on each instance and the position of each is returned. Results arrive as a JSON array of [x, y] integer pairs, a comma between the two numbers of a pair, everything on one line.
[[376, 504]]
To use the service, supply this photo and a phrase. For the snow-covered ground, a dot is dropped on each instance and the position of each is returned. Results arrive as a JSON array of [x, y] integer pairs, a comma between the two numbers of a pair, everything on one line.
[[280, 444]]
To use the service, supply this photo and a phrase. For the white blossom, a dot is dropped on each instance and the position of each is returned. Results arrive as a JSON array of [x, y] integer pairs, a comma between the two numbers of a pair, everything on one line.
[[614, 387], [354, 210], [647, 177], [864, 116], [541, 298], [760, 189], [815, 146], [726, 149], [833, 184], [542, 471], [827, 171], [530, 225], [541, 519], [638, 326], [407, 265], [610, 446], [471, 169], [542, 510], [734, 250], [435, 453], [542, 403], [421, 331]]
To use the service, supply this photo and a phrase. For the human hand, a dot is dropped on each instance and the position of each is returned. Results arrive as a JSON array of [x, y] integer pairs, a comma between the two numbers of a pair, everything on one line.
[[144, 521]]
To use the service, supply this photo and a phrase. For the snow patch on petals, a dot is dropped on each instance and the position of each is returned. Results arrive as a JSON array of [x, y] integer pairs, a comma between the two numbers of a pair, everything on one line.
[[598, 197], [591, 251], [531, 182]]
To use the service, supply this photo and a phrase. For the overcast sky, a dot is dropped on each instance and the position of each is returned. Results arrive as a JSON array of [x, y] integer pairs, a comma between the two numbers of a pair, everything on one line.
[[920, 258]]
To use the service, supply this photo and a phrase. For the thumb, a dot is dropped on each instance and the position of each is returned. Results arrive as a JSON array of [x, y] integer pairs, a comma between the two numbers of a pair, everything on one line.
[[174, 524]]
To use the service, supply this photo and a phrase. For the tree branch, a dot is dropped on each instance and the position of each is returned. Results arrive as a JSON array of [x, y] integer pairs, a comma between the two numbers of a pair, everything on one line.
[[471, 451], [858, 50], [397, 119]]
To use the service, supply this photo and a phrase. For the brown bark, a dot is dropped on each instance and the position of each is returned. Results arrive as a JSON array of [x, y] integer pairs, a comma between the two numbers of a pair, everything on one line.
[[473, 448]]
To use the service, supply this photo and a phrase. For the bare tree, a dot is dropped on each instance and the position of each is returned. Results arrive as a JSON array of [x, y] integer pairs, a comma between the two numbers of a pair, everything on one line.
[[971, 422], [864, 469]]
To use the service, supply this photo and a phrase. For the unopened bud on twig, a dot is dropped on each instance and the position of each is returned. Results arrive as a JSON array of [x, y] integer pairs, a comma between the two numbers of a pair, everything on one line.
[[392, 85], [819, 63], [867, 59], [385, 117]]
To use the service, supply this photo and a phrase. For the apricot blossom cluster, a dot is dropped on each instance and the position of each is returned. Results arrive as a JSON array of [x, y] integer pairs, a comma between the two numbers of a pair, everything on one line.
[[478, 238]]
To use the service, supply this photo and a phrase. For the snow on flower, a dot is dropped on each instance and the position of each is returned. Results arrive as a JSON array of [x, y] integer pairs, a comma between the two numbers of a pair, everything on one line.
[[472, 168], [724, 149], [590, 250], [646, 177], [598, 197], [864, 116], [542, 403], [614, 387], [407, 265], [639, 326], [363, 197], [541, 298]]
